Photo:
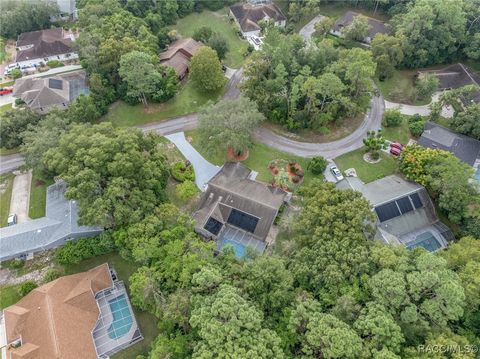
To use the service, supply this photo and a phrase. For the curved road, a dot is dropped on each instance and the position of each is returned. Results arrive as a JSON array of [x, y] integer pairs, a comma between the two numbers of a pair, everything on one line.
[[329, 150]]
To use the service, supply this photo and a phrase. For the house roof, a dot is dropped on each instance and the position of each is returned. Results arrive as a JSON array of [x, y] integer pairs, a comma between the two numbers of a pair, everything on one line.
[[40, 93], [375, 26], [179, 54], [463, 147], [249, 15], [59, 223], [56, 319], [45, 43], [231, 188]]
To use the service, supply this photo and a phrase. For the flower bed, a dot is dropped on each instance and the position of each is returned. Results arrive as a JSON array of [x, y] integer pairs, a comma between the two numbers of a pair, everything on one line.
[[286, 173]]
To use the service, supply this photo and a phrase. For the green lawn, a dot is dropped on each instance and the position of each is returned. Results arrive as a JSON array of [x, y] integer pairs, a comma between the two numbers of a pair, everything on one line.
[[336, 9], [401, 88], [258, 160], [367, 172], [9, 295], [3, 53], [5, 108], [6, 181], [399, 133], [146, 321], [38, 192], [8, 151], [219, 22], [186, 101]]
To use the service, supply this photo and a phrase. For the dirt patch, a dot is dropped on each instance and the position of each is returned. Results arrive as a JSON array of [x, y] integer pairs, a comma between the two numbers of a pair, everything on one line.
[[39, 183], [368, 158], [231, 155]]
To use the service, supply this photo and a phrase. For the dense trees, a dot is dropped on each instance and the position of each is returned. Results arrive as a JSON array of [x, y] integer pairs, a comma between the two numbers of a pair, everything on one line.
[[468, 121], [12, 125], [206, 70], [23, 16], [229, 124], [357, 30], [116, 175], [388, 54]]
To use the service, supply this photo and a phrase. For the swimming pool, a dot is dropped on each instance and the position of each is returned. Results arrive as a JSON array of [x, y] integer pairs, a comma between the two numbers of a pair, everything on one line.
[[122, 317], [425, 240], [239, 249]]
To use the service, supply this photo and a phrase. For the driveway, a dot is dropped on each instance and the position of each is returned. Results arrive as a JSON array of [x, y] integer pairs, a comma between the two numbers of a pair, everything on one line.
[[307, 31], [6, 99], [204, 170], [10, 162], [424, 110], [20, 199]]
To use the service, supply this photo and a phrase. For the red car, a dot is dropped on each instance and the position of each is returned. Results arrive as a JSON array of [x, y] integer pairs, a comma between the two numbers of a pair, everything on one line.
[[396, 145], [5, 91], [395, 151]]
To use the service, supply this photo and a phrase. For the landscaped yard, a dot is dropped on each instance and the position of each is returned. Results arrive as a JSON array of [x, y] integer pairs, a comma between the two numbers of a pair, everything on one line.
[[6, 184], [367, 172], [398, 133], [146, 321], [38, 195], [186, 101], [258, 160], [218, 21]]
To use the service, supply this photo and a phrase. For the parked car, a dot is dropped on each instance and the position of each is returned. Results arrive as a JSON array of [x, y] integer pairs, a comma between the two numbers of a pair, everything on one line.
[[5, 91], [396, 145], [336, 172], [395, 151], [12, 220]]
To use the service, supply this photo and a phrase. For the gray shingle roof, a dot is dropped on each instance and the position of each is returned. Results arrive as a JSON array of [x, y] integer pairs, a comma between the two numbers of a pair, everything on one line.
[[249, 15], [463, 147], [375, 26], [45, 43], [59, 224]]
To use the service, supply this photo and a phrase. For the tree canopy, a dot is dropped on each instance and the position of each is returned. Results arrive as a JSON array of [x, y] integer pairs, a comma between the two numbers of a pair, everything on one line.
[[206, 70]]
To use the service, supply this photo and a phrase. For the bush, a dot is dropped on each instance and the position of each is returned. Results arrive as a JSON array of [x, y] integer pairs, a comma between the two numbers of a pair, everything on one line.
[[317, 165], [203, 34], [27, 287], [15, 74], [16, 263], [416, 128], [52, 274], [186, 190], [54, 63], [76, 251], [182, 172], [415, 118], [392, 118]]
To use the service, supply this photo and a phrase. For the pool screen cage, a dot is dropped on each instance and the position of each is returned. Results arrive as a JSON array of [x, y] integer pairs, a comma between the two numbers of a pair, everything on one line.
[[105, 345]]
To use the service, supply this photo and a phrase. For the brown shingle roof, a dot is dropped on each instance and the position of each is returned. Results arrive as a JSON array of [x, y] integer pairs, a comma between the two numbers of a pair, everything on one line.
[[56, 320], [179, 54], [45, 43], [248, 15], [375, 26]]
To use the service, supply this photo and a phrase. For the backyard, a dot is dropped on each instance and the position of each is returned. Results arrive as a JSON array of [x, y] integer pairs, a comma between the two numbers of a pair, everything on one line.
[[186, 101], [219, 22], [6, 184], [399, 133], [259, 158], [367, 172], [38, 194], [401, 88]]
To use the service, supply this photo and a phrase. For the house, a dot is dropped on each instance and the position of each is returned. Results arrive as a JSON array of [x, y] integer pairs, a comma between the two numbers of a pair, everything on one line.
[[455, 76], [404, 211], [85, 315], [42, 94], [374, 26], [58, 226], [465, 148], [36, 48], [238, 210], [248, 15], [179, 54]]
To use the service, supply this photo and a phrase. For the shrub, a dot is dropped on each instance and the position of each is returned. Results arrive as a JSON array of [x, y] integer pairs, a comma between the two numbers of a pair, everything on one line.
[[392, 118], [54, 63], [426, 85], [416, 128], [15, 74], [415, 118], [203, 34], [186, 190], [27, 287], [182, 172], [317, 165], [16, 263], [76, 251], [52, 274]]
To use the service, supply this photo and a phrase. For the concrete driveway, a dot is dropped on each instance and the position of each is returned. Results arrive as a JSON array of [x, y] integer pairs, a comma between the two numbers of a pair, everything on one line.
[[6, 99], [424, 110], [307, 31], [329, 177], [20, 199], [204, 170]]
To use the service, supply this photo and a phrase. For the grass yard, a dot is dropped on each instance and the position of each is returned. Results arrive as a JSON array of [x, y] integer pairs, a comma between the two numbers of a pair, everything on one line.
[[401, 88], [399, 133], [8, 151], [336, 9], [38, 193], [3, 53], [146, 321], [5, 108], [9, 295], [258, 159], [218, 21], [367, 172], [186, 101], [6, 184]]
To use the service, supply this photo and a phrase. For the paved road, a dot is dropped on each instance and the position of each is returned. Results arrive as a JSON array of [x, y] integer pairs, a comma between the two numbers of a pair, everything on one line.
[[307, 31], [204, 170], [10, 162]]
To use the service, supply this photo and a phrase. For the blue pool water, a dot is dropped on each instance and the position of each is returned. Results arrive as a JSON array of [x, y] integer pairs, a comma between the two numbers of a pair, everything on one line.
[[238, 248], [425, 240], [477, 174], [122, 317]]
